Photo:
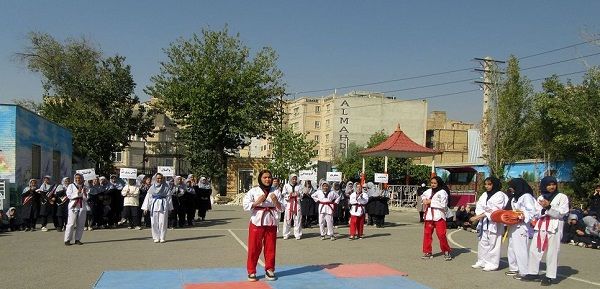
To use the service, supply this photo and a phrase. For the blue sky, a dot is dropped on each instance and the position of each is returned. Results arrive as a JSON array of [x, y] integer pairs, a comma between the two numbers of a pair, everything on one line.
[[322, 44]]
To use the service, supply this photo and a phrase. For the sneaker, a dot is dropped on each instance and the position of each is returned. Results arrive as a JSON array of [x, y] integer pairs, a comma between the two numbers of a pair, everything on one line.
[[447, 256], [59, 230], [332, 238], [360, 238], [85, 229], [427, 256], [285, 237], [511, 273], [546, 281], [155, 240], [252, 278], [33, 229], [138, 228], [68, 243], [44, 229], [163, 241], [121, 222], [477, 266], [572, 243], [531, 278], [78, 242], [270, 275], [489, 269], [322, 237], [518, 277], [90, 228], [351, 238]]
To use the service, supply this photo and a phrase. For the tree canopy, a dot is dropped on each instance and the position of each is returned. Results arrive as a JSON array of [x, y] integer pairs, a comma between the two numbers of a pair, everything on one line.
[[219, 94], [291, 153], [88, 93]]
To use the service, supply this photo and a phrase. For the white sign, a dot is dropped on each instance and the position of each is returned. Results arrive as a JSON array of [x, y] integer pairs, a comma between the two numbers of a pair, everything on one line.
[[127, 173], [166, 171], [381, 178], [334, 177], [88, 174], [307, 175]]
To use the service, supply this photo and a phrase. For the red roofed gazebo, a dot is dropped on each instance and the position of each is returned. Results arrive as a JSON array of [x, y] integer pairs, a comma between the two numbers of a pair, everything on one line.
[[398, 145]]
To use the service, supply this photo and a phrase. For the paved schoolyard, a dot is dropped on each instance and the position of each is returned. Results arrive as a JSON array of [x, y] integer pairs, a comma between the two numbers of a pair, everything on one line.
[[212, 255]]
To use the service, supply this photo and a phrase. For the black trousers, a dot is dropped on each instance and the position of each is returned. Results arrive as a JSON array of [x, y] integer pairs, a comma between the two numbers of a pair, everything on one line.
[[130, 213]]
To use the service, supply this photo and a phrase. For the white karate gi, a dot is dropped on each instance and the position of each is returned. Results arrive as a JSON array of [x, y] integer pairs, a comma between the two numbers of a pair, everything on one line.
[[158, 204], [326, 209], [291, 196], [518, 246], [490, 239], [77, 210]]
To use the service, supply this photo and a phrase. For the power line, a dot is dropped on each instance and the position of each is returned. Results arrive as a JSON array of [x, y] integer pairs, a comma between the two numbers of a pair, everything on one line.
[[385, 81], [429, 85], [559, 75], [558, 49], [561, 61]]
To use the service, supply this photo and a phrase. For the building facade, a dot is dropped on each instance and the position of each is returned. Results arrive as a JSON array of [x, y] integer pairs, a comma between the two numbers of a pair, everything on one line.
[[31, 147], [335, 121], [450, 137]]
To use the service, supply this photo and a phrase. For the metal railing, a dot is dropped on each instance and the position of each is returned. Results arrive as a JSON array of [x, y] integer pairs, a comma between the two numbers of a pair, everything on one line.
[[403, 195]]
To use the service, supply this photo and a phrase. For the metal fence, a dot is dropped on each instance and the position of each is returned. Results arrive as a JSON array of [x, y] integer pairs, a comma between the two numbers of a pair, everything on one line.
[[403, 195]]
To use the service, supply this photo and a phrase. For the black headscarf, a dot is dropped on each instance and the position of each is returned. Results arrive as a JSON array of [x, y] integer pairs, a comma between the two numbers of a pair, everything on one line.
[[264, 187], [544, 183], [520, 187], [441, 185], [496, 186]]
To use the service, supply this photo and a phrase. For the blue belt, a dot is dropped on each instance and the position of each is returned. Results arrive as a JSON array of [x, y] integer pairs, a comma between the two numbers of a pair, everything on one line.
[[162, 204]]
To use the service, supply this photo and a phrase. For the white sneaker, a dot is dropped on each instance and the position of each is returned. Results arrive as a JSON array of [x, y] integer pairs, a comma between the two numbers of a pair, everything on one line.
[[477, 266], [44, 229], [489, 269], [285, 237], [85, 229], [138, 228], [155, 240], [162, 241]]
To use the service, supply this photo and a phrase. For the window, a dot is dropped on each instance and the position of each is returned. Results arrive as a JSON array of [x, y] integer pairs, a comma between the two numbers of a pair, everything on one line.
[[36, 161], [317, 124], [326, 152], [317, 109], [117, 157], [316, 138], [327, 123], [327, 138], [328, 107], [56, 165], [296, 110], [316, 152]]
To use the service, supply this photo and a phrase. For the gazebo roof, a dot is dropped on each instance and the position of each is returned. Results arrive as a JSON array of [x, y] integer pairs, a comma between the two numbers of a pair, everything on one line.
[[399, 145]]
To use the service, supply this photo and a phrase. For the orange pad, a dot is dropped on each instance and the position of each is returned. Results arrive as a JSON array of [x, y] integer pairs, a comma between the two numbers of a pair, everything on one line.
[[361, 270], [507, 217], [228, 285]]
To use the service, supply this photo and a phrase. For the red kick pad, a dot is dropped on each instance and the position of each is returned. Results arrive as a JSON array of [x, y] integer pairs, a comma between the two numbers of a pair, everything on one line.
[[361, 270], [229, 285]]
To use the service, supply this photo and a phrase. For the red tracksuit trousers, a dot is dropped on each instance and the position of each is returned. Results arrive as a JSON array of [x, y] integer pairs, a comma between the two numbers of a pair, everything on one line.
[[440, 230], [259, 236], [357, 224]]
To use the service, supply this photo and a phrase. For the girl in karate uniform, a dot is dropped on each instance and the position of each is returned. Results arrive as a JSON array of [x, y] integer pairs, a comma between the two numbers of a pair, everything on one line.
[[327, 200], [158, 203], [518, 245], [488, 231], [77, 193], [264, 203], [357, 201], [291, 194], [435, 202], [550, 209]]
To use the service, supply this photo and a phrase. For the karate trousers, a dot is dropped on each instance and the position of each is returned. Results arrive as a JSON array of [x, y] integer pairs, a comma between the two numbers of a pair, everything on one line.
[[518, 248], [259, 237], [488, 249], [76, 222], [440, 231], [159, 222], [326, 224], [535, 254], [287, 224]]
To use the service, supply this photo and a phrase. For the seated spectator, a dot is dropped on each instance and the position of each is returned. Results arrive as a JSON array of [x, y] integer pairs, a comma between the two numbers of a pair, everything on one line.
[[462, 217], [574, 232], [12, 219], [3, 221], [450, 219], [592, 228]]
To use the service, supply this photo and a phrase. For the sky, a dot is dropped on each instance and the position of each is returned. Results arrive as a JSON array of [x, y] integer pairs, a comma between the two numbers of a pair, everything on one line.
[[324, 45]]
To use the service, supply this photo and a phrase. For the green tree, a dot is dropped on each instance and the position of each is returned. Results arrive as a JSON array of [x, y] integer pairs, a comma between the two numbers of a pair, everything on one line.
[[570, 115], [219, 95], [291, 153], [89, 94], [512, 125]]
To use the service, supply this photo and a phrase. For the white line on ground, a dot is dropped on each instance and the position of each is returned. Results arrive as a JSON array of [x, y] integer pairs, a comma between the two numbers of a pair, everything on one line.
[[475, 252], [244, 245]]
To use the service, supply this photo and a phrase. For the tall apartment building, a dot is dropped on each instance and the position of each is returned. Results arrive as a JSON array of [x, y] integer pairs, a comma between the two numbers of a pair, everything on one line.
[[335, 121], [451, 137]]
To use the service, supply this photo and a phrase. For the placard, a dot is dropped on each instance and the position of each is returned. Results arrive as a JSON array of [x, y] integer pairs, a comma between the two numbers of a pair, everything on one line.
[[88, 174], [307, 175], [166, 171], [334, 177], [128, 173], [381, 178]]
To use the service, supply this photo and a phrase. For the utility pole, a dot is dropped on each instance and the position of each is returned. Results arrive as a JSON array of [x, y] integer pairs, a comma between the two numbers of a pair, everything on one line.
[[491, 77]]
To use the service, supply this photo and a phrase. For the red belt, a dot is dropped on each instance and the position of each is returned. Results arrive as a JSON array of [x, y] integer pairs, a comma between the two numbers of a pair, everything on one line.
[[293, 207], [540, 245], [330, 204], [265, 209]]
